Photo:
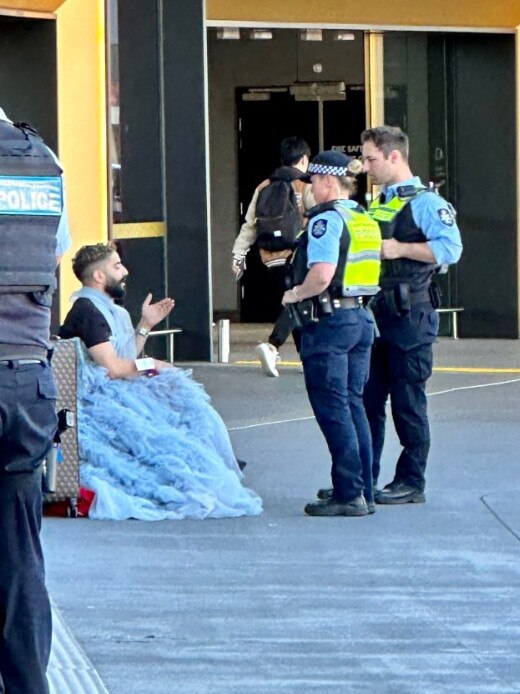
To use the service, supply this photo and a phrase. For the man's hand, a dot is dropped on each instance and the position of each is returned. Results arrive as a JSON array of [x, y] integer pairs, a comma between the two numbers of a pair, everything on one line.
[[391, 249], [151, 314], [291, 296], [317, 280], [238, 264]]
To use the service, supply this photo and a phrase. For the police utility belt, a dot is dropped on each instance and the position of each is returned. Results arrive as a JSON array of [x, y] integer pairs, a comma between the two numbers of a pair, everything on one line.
[[21, 355], [314, 309], [397, 301]]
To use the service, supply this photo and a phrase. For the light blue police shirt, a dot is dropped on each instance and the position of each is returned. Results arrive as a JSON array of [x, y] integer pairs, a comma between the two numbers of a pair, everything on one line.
[[324, 235], [63, 237], [435, 218]]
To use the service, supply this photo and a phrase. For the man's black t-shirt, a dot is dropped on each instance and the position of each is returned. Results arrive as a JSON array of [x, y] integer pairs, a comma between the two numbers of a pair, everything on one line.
[[87, 322]]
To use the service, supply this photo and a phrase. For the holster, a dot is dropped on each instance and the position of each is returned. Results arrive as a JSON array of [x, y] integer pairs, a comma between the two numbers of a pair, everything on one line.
[[311, 310], [435, 295], [402, 292], [394, 302], [323, 305], [303, 313]]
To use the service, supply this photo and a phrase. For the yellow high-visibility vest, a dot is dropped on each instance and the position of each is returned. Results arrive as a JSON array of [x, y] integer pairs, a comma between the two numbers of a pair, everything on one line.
[[387, 211], [362, 264]]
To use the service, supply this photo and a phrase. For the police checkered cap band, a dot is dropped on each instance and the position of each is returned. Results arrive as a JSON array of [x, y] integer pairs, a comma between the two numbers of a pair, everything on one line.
[[327, 170]]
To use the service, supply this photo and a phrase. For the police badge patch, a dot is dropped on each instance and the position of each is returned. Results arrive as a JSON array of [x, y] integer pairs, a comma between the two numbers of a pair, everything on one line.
[[319, 228], [446, 217]]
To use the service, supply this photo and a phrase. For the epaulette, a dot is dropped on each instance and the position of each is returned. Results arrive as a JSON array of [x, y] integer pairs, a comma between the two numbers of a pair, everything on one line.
[[409, 191]]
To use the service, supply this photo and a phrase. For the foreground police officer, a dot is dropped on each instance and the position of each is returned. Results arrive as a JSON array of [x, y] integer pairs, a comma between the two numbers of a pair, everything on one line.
[[336, 263], [420, 233], [33, 232]]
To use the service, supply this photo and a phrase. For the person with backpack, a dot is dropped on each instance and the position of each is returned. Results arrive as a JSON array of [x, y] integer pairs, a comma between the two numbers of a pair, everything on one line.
[[273, 220]]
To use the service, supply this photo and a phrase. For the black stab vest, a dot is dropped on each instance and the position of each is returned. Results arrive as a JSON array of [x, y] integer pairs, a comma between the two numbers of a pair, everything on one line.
[[31, 204], [403, 270]]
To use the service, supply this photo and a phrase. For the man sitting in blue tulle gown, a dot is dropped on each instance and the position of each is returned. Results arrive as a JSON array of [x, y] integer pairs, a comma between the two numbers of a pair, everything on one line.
[[151, 445]]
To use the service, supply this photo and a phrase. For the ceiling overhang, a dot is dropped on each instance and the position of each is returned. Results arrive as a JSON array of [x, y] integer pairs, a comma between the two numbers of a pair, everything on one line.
[[30, 8]]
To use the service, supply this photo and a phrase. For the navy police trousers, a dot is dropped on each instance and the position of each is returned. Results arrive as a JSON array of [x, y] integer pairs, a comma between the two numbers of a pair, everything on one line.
[[402, 375], [27, 427], [336, 354]]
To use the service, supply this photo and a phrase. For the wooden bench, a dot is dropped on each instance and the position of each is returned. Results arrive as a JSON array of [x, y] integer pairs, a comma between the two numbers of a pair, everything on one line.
[[454, 312], [171, 332]]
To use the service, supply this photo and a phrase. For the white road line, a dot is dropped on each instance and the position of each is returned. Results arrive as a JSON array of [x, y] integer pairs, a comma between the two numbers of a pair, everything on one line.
[[70, 671], [266, 424], [480, 385], [439, 392]]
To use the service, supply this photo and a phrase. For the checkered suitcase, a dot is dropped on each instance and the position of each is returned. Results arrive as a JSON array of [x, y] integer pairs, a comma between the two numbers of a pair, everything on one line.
[[64, 367]]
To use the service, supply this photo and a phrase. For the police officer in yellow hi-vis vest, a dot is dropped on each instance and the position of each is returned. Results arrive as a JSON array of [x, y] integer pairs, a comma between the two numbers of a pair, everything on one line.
[[419, 234], [336, 263]]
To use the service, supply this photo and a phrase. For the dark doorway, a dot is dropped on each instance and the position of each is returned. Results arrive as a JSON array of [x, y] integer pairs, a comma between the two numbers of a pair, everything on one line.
[[28, 84], [327, 116]]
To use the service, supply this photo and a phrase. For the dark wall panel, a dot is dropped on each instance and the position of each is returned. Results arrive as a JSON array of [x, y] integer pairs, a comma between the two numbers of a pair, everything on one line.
[[143, 258], [485, 183], [28, 85], [140, 111], [406, 93], [28, 82], [186, 189]]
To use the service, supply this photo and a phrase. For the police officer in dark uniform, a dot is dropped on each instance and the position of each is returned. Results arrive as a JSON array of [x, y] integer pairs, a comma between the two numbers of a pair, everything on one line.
[[336, 264], [33, 232], [419, 234]]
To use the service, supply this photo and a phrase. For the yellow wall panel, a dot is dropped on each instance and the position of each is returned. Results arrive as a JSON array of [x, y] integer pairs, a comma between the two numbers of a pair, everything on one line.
[[82, 126], [518, 160], [498, 14]]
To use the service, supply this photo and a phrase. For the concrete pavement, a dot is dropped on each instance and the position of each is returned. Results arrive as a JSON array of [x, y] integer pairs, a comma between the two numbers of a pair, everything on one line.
[[415, 599]]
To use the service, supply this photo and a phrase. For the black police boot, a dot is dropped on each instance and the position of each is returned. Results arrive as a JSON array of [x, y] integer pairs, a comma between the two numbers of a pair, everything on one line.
[[386, 488], [400, 493], [333, 507], [325, 494]]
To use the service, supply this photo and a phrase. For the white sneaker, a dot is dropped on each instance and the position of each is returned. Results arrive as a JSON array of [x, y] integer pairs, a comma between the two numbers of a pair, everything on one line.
[[269, 357]]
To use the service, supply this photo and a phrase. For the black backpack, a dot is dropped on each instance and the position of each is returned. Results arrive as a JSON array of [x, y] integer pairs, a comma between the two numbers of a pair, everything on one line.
[[278, 217]]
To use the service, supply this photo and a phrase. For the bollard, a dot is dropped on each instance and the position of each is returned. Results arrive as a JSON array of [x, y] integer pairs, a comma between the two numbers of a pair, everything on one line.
[[223, 340]]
